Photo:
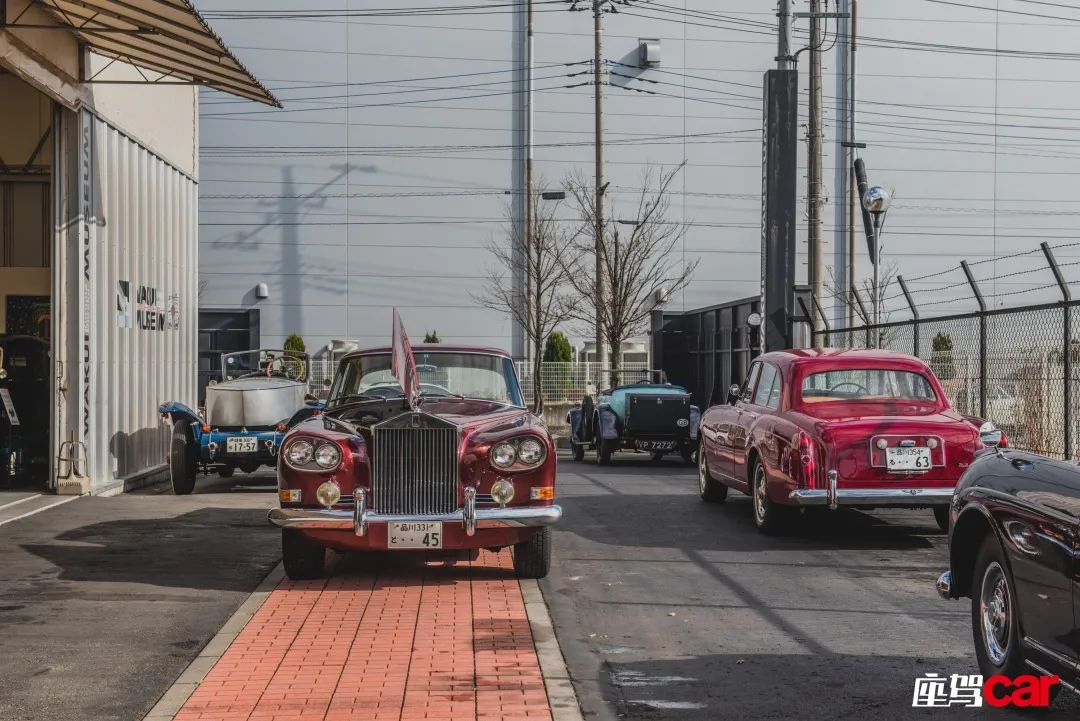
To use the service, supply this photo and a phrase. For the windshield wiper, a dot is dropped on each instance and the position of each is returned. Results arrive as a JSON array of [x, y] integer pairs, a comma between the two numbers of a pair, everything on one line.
[[357, 398], [438, 394]]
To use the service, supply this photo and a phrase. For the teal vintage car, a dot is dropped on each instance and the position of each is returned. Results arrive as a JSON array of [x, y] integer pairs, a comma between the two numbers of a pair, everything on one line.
[[655, 417]]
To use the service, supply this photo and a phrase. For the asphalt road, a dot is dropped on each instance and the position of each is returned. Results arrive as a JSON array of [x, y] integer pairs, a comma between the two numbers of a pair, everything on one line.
[[105, 601], [670, 608]]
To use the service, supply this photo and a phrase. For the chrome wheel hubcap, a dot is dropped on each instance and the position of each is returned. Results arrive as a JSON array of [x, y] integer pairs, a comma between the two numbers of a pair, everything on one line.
[[760, 497], [703, 472], [995, 613]]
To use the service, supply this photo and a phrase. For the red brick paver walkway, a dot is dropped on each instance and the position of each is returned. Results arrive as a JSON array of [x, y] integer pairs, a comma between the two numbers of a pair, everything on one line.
[[402, 642]]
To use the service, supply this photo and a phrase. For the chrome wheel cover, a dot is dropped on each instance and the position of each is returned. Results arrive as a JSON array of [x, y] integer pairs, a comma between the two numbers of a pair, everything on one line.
[[761, 497], [703, 471], [995, 613]]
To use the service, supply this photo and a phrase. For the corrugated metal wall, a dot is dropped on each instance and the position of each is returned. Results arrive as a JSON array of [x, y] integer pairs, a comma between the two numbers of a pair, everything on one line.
[[139, 266]]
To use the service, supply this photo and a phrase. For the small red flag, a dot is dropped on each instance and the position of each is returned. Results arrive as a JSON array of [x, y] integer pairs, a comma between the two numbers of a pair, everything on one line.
[[403, 364]]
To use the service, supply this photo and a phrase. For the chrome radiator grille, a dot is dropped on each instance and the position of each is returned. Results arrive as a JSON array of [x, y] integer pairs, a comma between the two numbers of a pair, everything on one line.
[[415, 470]]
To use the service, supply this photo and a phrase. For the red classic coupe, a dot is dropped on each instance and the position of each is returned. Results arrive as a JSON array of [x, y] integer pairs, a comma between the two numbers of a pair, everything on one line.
[[449, 458], [862, 428]]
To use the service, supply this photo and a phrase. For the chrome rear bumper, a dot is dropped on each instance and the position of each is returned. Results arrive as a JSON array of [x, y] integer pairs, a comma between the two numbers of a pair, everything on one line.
[[834, 497], [360, 517], [871, 497]]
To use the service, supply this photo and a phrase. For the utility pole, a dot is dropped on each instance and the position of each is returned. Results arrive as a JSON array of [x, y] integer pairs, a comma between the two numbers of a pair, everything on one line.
[[601, 186], [784, 59], [816, 264], [853, 193], [530, 200]]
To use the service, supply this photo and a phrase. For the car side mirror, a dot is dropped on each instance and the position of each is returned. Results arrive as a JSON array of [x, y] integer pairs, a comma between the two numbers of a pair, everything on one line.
[[733, 394], [310, 399]]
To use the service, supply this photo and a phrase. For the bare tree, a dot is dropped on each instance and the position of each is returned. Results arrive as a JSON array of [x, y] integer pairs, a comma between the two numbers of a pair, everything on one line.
[[541, 260], [639, 257], [886, 290]]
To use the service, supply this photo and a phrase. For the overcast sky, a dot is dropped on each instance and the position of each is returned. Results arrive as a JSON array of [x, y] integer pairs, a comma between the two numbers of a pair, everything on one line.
[[970, 113]]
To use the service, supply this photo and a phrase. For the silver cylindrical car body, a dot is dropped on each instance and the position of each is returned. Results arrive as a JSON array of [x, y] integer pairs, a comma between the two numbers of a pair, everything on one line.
[[253, 402]]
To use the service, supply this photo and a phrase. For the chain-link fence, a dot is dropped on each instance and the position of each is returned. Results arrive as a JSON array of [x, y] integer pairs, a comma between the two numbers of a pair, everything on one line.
[[559, 382], [320, 375], [569, 382], [1016, 367]]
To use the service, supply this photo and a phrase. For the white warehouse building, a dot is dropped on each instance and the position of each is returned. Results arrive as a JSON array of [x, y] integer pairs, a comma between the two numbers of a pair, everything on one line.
[[99, 168]]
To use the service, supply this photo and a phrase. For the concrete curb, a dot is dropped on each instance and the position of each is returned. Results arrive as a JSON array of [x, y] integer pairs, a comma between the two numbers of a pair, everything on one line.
[[177, 694], [560, 689]]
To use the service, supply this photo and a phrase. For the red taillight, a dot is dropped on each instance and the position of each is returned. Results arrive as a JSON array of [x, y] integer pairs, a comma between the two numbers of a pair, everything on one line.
[[805, 466]]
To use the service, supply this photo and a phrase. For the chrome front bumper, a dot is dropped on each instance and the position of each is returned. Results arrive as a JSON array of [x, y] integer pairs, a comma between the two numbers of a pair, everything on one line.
[[834, 497], [361, 517]]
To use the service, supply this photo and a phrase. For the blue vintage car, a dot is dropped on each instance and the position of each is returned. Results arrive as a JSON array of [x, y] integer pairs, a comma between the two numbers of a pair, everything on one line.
[[262, 394], [654, 417]]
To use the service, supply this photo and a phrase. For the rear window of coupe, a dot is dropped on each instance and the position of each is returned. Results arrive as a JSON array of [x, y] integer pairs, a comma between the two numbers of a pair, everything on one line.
[[867, 384]]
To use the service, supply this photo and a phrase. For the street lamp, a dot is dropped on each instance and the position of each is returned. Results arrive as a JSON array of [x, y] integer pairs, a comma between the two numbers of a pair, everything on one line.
[[876, 201]]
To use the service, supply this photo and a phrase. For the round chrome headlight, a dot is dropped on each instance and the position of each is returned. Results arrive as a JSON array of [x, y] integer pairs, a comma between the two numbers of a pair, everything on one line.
[[328, 493], [327, 455], [299, 452], [530, 451], [502, 492], [882, 443], [503, 455]]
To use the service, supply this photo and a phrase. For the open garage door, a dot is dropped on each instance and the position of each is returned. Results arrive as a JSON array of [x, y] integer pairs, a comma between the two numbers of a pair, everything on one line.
[[26, 249]]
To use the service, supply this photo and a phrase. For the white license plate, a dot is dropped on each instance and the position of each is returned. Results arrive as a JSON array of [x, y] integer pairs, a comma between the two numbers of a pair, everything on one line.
[[907, 459], [415, 534], [241, 445], [656, 445]]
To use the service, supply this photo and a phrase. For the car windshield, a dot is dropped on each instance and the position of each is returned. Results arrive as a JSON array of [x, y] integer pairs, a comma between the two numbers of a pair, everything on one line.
[[470, 375], [867, 384]]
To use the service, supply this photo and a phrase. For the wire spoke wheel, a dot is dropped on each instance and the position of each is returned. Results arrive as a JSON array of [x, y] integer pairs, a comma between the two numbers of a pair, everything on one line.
[[995, 612], [761, 498], [703, 474]]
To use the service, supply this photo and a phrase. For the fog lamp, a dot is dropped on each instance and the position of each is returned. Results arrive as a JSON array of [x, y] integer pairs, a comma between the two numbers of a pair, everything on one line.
[[503, 455], [931, 443], [328, 493], [882, 443], [502, 492]]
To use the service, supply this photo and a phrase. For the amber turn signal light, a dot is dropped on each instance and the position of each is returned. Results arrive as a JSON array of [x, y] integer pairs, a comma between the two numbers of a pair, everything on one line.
[[282, 427], [205, 428], [542, 493], [289, 495]]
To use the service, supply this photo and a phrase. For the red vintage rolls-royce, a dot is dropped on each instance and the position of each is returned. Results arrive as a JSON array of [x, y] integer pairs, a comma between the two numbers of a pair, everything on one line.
[[447, 458], [862, 428]]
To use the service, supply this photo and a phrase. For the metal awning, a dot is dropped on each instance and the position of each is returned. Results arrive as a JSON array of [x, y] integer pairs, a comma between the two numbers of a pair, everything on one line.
[[164, 36]]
